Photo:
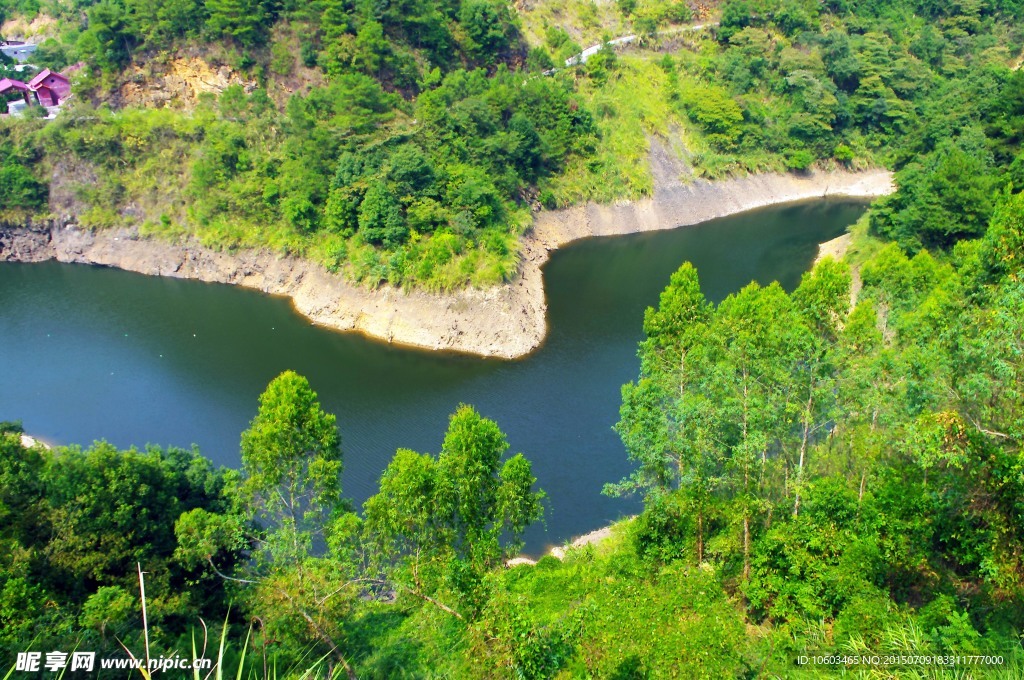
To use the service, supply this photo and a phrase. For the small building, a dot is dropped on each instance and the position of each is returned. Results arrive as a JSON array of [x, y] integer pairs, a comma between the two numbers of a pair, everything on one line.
[[11, 86], [51, 88], [18, 51], [48, 89]]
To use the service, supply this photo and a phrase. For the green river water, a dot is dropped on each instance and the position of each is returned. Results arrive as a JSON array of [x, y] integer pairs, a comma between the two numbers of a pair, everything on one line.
[[91, 353]]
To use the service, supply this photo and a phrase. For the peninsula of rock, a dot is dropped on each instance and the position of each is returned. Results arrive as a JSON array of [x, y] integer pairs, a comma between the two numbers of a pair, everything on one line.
[[507, 321]]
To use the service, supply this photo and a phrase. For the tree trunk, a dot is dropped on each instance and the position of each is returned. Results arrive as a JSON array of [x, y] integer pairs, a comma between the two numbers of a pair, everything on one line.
[[426, 598], [746, 547], [803, 451], [334, 647], [700, 537]]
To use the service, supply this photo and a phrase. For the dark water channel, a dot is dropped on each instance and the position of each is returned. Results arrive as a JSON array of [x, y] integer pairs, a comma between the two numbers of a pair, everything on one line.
[[91, 353]]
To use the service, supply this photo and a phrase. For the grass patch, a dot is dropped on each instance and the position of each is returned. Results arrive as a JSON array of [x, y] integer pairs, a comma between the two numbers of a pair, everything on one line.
[[863, 246], [630, 107], [586, 21]]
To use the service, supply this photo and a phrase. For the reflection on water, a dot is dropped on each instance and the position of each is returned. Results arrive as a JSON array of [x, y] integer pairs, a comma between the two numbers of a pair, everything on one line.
[[91, 353]]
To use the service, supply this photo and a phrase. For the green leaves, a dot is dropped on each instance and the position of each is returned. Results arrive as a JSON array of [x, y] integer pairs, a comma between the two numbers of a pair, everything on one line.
[[110, 607], [715, 111], [946, 196], [490, 29], [402, 518], [1002, 249], [74, 525], [203, 536], [109, 508], [517, 502], [823, 298], [468, 466], [243, 20], [831, 459], [457, 515], [682, 310], [380, 217], [18, 185], [291, 456]]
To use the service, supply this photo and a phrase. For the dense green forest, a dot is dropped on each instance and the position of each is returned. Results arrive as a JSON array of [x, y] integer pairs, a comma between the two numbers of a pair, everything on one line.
[[831, 471], [409, 142], [278, 540]]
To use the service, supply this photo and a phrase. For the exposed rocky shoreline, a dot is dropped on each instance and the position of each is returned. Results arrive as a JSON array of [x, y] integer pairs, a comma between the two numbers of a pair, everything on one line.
[[507, 321]]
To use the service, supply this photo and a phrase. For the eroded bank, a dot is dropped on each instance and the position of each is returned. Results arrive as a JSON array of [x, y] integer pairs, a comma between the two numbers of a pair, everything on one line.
[[507, 321]]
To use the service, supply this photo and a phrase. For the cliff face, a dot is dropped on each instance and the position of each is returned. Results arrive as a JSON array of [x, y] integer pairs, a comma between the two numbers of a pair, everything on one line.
[[176, 83], [507, 321]]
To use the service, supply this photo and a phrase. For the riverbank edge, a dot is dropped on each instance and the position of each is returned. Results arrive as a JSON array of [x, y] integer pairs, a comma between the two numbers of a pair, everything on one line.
[[559, 552], [508, 321]]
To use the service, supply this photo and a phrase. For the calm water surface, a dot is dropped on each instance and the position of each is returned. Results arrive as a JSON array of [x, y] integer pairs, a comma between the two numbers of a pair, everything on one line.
[[90, 353]]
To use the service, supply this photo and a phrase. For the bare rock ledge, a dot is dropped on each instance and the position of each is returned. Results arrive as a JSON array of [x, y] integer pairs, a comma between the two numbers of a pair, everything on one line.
[[507, 321]]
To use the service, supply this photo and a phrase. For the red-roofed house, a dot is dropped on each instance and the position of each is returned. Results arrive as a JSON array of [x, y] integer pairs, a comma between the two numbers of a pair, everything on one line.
[[51, 88], [8, 85], [11, 86]]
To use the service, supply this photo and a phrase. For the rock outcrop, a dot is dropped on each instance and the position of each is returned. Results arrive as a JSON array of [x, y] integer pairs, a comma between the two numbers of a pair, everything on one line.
[[175, 83]]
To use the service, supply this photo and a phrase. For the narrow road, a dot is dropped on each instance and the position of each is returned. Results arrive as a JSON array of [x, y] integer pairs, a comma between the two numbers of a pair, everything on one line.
[[582, 57]]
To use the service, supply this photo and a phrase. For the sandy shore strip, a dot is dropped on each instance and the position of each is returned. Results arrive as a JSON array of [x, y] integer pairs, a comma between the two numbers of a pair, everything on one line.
[[507, 321], [836, 248], [28, 441], [559, 551]]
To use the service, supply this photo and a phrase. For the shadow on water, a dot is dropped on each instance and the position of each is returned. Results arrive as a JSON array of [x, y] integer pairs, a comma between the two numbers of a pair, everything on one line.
[[91, 353]]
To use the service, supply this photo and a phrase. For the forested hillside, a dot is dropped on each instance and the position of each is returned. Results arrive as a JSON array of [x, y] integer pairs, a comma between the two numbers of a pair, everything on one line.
[[408, 142], [834, 471]]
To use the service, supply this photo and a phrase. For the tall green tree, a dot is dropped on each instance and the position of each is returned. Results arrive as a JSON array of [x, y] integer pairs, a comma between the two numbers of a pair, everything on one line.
[[292, 462], [661, 420], [945, 197], [754, 335], [245, 21], [304, 578], [823, 301], [451, 519]]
